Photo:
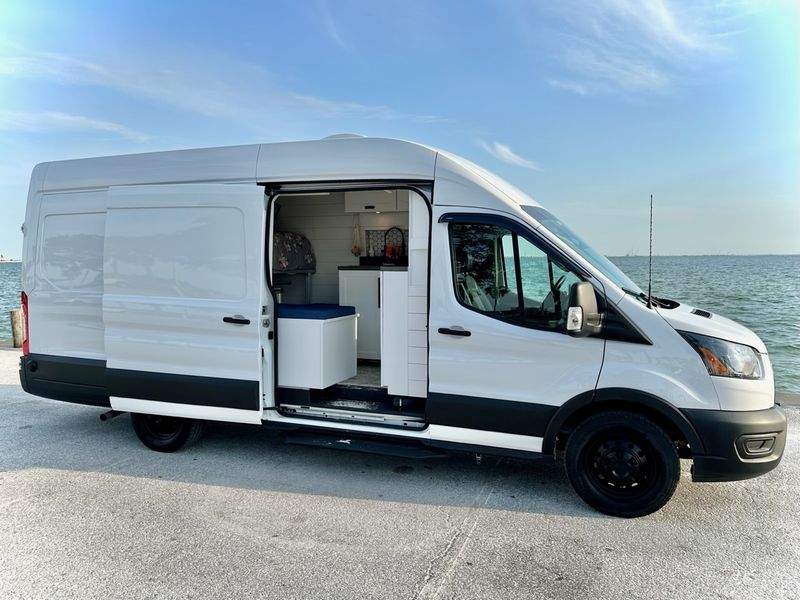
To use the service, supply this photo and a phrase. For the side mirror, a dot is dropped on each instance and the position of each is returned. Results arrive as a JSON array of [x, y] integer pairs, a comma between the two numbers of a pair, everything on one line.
[[583, 317]]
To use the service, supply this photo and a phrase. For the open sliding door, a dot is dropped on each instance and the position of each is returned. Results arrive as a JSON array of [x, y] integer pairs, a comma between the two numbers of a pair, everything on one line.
[[183, 300]]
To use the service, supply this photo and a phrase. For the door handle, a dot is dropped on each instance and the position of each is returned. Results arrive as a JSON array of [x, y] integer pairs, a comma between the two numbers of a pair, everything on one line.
[[236, 320], [460, 332]]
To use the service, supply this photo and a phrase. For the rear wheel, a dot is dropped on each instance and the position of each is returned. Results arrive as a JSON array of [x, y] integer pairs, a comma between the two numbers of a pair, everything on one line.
[[166, 434], [622, 464]]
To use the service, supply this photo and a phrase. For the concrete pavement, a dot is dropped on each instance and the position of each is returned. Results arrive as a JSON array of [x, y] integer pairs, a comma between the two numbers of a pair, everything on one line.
[[86, 511]]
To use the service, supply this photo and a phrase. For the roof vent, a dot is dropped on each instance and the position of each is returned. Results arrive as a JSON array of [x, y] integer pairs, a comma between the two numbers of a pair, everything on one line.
[[343, 136], [701, 313]]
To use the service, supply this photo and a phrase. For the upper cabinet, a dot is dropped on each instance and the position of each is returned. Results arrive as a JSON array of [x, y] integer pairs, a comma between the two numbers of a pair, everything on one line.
[[376, 201]]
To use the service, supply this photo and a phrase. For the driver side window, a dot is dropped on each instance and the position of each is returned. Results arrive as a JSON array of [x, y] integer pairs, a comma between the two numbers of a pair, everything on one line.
[[502, 274]]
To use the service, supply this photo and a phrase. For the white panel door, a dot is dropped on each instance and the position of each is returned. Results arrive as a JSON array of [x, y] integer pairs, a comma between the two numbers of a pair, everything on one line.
[[183, 297], [498, 363]]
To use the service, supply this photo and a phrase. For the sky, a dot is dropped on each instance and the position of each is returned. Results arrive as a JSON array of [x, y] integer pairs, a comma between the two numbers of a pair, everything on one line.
[[589, 107]]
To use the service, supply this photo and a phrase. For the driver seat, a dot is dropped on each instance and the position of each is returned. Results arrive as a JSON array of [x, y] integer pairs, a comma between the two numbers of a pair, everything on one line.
[[476, 296]]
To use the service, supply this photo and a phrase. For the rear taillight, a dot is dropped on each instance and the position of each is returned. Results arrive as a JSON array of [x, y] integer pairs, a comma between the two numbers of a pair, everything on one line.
[[26, 346]]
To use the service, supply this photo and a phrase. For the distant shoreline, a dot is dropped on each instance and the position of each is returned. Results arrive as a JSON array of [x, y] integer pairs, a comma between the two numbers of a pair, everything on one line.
[[15, 261], [692, 255]]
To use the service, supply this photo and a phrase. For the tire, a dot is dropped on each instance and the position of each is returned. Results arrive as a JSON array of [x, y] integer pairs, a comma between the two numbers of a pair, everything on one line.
[[622, 464], [166, 434]]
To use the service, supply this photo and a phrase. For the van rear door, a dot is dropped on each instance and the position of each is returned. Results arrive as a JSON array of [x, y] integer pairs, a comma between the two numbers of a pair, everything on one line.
[[183, 300]]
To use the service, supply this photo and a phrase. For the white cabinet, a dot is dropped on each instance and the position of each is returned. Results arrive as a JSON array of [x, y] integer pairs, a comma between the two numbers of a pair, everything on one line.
[[361, 288], [394, 332], [371, 201]]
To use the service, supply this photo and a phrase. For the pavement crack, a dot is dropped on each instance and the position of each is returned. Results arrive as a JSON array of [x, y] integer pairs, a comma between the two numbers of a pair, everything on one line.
[[442, 566], [439, 559]]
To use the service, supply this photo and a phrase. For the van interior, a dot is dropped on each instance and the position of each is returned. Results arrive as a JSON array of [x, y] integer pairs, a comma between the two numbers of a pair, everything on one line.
[[349, 274]]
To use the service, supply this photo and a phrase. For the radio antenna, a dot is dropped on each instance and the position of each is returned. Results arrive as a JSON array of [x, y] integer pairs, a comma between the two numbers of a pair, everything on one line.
[[650, 267]]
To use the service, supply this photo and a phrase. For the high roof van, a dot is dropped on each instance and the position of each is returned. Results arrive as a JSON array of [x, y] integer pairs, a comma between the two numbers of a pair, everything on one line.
[[377, 295]]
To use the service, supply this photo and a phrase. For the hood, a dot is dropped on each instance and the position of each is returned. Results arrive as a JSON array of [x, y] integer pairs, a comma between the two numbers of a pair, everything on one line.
[[684, 318]]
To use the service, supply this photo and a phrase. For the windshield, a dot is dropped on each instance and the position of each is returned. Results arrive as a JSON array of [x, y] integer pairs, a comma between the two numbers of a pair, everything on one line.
[[571, 239]]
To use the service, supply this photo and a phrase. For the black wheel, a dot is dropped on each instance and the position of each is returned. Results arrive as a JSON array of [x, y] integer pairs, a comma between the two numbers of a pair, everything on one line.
[[166, 434], [622, 464]]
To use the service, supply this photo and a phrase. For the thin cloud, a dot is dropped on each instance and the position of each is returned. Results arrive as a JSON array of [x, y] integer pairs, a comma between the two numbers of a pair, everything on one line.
[[219, 88], [506, 154], [330, 25], [608, 71], [634, 47], [570, 86], [53, 122], [334, 108]]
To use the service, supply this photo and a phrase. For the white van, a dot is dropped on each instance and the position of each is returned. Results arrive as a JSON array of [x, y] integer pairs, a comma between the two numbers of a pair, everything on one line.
[[377, 295]]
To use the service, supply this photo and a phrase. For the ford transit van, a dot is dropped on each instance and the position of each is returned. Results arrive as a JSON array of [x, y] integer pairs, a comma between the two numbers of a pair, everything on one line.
[[377, 295]]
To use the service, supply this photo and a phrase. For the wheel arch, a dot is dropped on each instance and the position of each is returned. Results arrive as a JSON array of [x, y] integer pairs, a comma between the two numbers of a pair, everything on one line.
[[589, 403]]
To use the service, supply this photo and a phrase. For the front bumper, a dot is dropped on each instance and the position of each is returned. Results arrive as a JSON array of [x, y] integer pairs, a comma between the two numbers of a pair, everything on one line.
[[738, 444]]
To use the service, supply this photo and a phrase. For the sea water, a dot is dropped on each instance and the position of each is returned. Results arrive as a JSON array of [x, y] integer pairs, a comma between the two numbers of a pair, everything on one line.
[[10, 288], [761, 292]]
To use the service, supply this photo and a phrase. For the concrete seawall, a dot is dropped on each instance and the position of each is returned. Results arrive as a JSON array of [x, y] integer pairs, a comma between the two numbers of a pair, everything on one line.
[[787, 398]]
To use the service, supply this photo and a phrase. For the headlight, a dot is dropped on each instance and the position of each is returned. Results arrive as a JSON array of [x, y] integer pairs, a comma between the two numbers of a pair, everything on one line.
[[726, 359]]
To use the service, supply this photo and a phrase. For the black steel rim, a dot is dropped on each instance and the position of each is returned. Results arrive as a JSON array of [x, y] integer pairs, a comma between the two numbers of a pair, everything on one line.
[[162, 428], [621, 464]]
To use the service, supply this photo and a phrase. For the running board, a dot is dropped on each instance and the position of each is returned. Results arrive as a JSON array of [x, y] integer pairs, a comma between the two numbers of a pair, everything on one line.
[[338, 414], [357, 444]]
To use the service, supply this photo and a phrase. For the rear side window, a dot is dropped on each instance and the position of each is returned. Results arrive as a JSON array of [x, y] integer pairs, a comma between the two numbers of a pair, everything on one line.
[[188, 252], [71, 251]]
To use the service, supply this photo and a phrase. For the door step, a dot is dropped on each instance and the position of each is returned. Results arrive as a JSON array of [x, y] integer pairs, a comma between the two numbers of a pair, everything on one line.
[[358, 444], [400, 420]]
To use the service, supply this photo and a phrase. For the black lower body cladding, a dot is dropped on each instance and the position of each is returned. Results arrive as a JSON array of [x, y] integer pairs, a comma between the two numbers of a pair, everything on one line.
[[88, 381], [78, 380], [738, 444]]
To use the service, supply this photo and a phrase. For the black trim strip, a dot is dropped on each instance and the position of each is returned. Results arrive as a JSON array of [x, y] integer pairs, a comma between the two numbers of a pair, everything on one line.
[[487, 450], [488, 414], [184, 389], [76, 380], [617, 326], [518, 275], [88, 381]]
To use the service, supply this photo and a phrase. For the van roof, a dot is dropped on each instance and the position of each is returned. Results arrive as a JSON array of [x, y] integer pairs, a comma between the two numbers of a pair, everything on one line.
[[340, 157]]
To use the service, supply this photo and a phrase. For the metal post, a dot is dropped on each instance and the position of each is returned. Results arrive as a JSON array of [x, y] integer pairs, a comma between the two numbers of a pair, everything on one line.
[[16, 327]]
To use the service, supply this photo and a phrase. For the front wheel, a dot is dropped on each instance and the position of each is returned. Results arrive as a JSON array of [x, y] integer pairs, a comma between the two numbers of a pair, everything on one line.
[[166, 434], [622, 464]]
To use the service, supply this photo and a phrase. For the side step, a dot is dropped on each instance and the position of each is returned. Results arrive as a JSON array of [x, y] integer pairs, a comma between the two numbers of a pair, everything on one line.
[[355, 415], [358, 444]]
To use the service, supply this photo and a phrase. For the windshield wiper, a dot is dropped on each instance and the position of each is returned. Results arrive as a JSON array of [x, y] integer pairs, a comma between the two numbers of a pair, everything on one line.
[[660, 302], [640, 295]]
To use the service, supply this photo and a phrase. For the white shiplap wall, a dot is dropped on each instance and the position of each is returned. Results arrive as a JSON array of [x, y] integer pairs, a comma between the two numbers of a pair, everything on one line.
[[323, 221], [418, 297]]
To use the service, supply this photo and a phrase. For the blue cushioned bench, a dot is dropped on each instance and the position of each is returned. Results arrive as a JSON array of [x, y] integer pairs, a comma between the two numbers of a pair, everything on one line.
[[314, 311]]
